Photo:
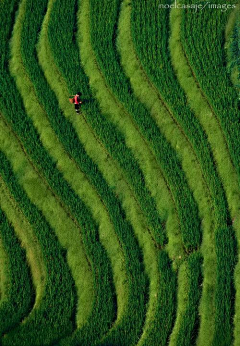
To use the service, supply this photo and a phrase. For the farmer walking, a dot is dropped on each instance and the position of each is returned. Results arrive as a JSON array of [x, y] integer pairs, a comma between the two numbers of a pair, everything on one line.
[[77, 102]]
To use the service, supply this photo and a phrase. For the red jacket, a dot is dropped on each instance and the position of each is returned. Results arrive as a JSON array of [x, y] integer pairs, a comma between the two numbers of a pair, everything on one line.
[[76, 100]]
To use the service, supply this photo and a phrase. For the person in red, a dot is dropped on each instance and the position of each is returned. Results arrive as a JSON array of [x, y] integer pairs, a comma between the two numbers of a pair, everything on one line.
[[77, 102]]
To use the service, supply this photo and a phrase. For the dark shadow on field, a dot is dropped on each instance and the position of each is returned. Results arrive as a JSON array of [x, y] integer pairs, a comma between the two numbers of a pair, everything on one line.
[[84, 101], [73, 289]]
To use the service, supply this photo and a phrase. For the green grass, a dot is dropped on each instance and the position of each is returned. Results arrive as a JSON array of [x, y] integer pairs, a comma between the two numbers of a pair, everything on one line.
[[232, 46], [190, 319], [54, 178], [131, 302], [68, 231], [109, 136], [71, 172], [148, 95], [176, 102], [40, 195], [226, 262], [4, 280], [29, 242], [19, 293], [143, 126], [119, 226], [42, 324], [204, 112], [110, 338], [160, 323], [216, 137], [214, 69], [212, 72], [132, 139], [150, 54]]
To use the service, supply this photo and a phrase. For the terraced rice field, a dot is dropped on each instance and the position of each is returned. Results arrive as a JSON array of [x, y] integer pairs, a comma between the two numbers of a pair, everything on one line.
[[120, 225]]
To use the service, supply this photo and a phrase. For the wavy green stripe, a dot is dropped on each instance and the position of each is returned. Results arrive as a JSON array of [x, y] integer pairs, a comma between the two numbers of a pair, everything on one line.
[[19, 292], [4, 280]]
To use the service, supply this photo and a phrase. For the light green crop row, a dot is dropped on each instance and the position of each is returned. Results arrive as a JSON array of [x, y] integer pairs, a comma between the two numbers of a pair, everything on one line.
[[155, 299], [232, 33], [104, 20], [157, 63], [41, 158], [4, 280], [176, 98], [107, 165], [189, 294], [233, 55], [103, 43], [212, 74]]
